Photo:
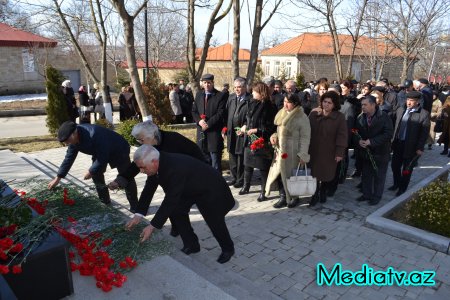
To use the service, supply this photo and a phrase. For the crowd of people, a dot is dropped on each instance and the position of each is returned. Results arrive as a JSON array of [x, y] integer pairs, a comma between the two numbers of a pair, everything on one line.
[[268, 128]]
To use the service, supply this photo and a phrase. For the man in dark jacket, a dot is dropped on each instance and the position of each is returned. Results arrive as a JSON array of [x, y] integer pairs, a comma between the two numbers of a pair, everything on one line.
[[208, 112], [376, 130], [187, 181], [148, 133], [106, 147], [237, 107], [412, 128]]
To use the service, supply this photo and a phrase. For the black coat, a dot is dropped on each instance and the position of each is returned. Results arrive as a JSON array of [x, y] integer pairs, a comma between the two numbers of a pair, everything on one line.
[[260, 115], [211, 140], [379, 133], [187, 181], [105, 146], [418, 129], [236, 116]]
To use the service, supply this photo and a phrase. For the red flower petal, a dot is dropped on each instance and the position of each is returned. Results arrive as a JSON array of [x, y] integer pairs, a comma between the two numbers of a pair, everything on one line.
[[106, 288], [17, 269], [284, 155], [107, 242], [4, 269]]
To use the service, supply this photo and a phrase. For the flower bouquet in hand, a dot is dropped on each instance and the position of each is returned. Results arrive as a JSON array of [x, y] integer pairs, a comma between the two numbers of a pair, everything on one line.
[[408, 170], [369, 154]]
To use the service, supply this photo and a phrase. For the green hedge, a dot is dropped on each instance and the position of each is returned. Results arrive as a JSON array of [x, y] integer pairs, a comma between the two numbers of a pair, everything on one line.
[[125, 128], [430, 208]]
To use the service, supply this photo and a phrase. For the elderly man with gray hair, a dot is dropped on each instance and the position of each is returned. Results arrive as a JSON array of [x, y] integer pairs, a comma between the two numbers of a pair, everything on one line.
[[148, 133], [187, 181]]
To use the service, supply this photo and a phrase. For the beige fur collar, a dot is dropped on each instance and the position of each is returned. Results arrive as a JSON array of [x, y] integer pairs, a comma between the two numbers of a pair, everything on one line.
[[283, 117]]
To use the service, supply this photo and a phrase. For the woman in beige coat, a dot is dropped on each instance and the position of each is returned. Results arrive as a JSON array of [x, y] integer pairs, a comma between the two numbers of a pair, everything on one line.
[[328, 143], [435, 112], [291, 143]]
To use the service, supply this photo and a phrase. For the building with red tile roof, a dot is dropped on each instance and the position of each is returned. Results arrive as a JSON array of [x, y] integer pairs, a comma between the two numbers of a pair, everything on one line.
[[312, 55], [20, 54]]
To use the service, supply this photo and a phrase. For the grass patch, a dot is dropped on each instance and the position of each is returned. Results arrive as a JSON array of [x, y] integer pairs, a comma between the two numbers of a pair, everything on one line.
[[30, 143]]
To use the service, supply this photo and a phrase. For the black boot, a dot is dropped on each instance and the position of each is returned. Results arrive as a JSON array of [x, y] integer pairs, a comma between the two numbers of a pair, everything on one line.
[[315, 198], [323, 192], [282, 202], [264, 175], [293, 203], [247, 179]]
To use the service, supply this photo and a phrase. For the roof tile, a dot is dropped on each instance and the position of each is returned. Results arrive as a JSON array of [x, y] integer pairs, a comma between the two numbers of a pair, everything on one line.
[[13, 37]]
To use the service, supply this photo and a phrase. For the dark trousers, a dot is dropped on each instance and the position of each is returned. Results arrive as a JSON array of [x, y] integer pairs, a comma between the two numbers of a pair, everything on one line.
[[373, 180], [237, 167], [215, 222], [398, 164], [358, 159], [130, 189], [216, 160]]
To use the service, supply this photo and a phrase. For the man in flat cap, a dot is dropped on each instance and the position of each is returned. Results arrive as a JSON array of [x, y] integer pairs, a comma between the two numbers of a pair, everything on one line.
[[406, 87], [208, 112], [106, 147], [427, 94], [412, 127]]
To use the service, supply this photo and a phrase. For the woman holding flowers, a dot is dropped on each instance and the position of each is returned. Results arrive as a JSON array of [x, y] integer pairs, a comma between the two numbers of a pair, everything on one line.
[[328, 143], [258, 128], [291, 144]]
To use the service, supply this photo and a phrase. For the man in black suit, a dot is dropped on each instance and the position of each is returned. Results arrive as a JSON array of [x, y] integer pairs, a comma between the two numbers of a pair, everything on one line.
[[148, 133], [412, 127], [186, 181], [237, 107], [106, 147], [208, 112], [376, 130]]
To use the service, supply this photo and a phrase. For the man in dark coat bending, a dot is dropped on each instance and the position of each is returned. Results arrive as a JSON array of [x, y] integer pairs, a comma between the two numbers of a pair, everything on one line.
[[106, 147], [187, 181]]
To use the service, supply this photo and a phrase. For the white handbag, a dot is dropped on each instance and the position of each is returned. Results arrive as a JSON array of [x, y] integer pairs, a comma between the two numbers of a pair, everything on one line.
[[301, 186]]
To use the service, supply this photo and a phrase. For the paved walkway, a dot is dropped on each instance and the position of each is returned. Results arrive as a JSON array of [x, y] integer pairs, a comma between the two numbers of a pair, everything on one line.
[[277, 250]]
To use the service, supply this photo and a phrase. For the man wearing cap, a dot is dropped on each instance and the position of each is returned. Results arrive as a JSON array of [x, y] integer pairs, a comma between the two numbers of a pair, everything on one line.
[[106, 147], [389, 97], [406, 87], [208, 112], [427, 94], [412, 127]]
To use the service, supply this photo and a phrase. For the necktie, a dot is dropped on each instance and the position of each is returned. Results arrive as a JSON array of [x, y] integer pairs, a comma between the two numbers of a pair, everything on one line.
[[206, 99], [403, 124], [369, 120]]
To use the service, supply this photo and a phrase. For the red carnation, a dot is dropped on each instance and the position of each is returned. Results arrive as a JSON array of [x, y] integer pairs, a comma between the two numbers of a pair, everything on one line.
[[406, 172], [284, 155], [17, 269], [16, 248], [4, 269], [71, 219], [354, 130], [107, 242], [6, 243], [123, 265], [203, 116], [106, 288], [224, 130]]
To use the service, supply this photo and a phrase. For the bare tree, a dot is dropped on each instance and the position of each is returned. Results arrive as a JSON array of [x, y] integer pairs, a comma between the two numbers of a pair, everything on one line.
[[236, 37], [128, 25], [258, 26], [195, 73], [409, 24], [327, 9]]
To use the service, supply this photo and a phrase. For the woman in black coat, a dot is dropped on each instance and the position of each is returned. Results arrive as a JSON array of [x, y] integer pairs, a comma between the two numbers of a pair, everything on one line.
[[259, 123]]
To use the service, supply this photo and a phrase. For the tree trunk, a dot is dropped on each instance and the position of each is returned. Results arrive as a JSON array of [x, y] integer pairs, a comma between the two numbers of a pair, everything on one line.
[[355, 38], [128, 26], [255, 42], [236, 38]]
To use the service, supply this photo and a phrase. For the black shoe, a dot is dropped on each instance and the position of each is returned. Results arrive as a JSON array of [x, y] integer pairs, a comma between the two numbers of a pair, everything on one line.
[[225, 256], [261, 197], [245, 189], [374, 202], [294, 202], [314, 200], [361, 198], [323, 197], [444, 152], [429, 147], [399, 192], [232, 182], [393, 188], [281, 203], [190, 250], [238, 185], [356, 173], [174, 232]]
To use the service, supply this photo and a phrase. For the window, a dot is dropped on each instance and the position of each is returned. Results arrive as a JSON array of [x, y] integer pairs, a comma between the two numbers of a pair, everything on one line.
[[276, 70], [267, 68], [288, 69], [28, 60], [356, 70]]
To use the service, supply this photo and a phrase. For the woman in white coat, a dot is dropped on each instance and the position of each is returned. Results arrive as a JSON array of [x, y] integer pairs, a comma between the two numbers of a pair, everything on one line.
[[291, 143]]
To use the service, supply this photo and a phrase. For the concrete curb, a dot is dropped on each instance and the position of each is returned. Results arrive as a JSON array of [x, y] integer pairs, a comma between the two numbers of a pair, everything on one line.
[[377, 219]]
